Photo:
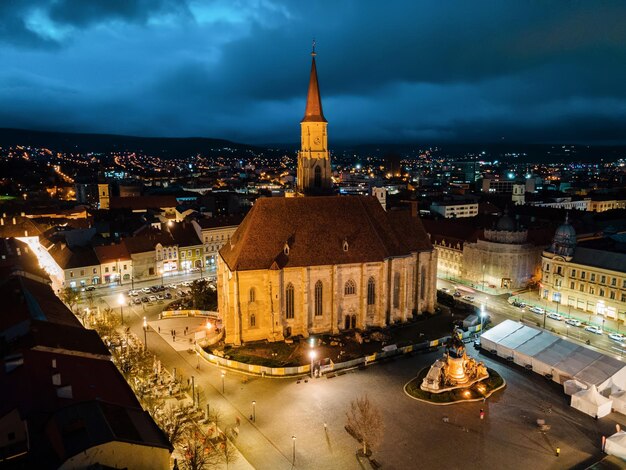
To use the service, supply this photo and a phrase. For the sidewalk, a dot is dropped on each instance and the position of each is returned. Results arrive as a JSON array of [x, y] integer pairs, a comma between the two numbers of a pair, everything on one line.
[[257, 451]]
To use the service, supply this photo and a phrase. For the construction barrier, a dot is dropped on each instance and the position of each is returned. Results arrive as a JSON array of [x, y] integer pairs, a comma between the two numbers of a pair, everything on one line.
[[389, 351], [189, 313]]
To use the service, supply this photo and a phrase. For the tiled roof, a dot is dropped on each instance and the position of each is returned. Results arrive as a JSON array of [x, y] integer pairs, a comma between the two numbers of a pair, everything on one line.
[[184, 234], [16, 257], [146, 240], [110, 253], [315, 229], [77, 257]]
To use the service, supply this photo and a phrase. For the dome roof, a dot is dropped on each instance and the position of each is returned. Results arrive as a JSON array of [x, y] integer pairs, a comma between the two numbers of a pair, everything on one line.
[[565, 232], [505, 223], [564, 241]]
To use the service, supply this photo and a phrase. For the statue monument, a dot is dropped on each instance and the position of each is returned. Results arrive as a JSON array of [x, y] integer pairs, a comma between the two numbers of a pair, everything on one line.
[[454, 370]]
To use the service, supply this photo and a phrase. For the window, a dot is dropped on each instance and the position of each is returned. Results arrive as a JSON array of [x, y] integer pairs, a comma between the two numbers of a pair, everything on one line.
[[583, 274], [95, 271], [613, 282], [559, 270], [603, 280], [252, 320], [106, 270], [396, 290], [582, 288], [71, 273], [188, 253], [572, 284], [350, 288], [592, 290], [601, 292], [371, 291], [289, 303], [623, 297], [612, 295], [124, 267], [82, 272], [573, 273], [182, 254], [624, 284], [252, 296], [547, 267], [319, 287], [593, 277], [113, 268], [197, 251]]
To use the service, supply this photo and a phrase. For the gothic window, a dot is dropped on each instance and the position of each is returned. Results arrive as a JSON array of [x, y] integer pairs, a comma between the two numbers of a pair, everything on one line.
[[371, 291], [396, 290], [423, 283], [252, 295], [318, 177], [252, 320], [318, 298], [289, 301], [350, 288]]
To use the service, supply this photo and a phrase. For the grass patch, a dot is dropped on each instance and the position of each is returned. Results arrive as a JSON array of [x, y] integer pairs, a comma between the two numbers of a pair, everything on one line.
[[457, 395]]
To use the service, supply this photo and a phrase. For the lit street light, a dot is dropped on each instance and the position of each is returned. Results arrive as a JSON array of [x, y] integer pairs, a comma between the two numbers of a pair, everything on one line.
[[198, 363], [293, 462], [223, 375], [312, 356], [121, 301], [145, 333], [254, 410]]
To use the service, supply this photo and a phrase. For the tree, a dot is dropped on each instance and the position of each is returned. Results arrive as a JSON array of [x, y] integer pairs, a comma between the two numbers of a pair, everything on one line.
[[70, 297], [227, 452], [365, 421], [175, 421], [197, 453], [202, 296]]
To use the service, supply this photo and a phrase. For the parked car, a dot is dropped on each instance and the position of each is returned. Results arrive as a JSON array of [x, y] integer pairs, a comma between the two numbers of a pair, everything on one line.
[[168, 295], [152, 298], [617, 337], [445, 289], [555, 316], [90, 288], [537, 310], [154, 289], [146, 290], [457, 294], [137, 301], [160, 288], [573, 322], [145, 299], [519, 304], [593, 329], [160, 297], [181, 293], [469, 298]]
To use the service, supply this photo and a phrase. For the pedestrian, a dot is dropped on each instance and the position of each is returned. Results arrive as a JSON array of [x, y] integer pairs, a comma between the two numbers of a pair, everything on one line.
[[482, 414], [238, 421], [159, 330], [558, 451]]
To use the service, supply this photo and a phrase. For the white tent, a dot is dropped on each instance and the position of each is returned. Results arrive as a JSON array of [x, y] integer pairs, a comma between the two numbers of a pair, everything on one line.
[[591, 402], [489, 339], [616, 445], [570, 387], [619, 401], [524, 354], [507, 346]]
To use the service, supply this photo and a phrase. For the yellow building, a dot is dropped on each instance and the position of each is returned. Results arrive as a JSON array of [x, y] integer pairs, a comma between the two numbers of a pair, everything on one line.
[[589, 275], [310, 265]]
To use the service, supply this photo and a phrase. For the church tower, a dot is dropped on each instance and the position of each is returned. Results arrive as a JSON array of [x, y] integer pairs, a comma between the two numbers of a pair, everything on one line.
[[314, 159]]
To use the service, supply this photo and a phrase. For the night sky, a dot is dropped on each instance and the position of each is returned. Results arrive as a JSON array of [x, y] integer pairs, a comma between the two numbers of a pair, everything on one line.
[[390, 71]]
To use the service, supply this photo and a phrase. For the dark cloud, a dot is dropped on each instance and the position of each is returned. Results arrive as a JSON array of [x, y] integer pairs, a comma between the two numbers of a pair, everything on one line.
[[389, 71]]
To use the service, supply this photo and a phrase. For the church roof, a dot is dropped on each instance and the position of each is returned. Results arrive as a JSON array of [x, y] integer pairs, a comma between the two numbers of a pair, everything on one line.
[[313, 111], [315, 228]]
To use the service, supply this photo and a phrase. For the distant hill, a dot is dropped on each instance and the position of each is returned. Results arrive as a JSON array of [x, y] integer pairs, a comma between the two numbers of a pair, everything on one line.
[[102, 143]]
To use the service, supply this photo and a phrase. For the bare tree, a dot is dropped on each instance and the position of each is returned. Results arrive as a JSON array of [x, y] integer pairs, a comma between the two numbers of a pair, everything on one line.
[[197, 452], [175, 421], [365, 421], [227, 451]]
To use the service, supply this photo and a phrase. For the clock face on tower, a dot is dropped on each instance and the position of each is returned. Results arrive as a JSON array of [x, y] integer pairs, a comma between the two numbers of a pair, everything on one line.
[[317, 140]]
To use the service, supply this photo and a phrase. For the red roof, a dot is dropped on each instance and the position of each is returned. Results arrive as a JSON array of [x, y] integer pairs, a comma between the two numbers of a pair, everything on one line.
[[111, 253], [315, 229]]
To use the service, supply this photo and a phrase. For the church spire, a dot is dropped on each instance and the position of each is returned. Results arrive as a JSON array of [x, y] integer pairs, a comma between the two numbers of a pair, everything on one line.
[[313, 111]]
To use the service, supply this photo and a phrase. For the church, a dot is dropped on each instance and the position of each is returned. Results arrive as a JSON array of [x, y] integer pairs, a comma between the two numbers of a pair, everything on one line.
[[319, 263]]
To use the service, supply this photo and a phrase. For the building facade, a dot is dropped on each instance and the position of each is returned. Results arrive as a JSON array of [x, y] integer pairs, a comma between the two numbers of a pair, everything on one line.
[[455, 210], [589, 275]]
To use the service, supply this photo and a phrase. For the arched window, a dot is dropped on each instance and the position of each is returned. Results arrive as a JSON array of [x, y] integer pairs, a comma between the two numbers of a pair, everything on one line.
[[252, 320], [289, 301], [423, 283], [350, 288], [371, 291], [318, 298], [396, 290], [252, 295], [318, 177]]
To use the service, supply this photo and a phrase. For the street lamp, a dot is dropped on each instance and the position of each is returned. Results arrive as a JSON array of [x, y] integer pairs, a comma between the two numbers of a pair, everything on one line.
[[161, 273], [254, 410], [293, 461], [193, 391], [482, 318], [312, 356], [145, 333], [120, 301], [223, 375], [198, 363]]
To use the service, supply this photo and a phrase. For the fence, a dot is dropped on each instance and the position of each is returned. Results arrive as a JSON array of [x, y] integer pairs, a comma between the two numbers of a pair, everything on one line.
[[189, 313], [325, 369]]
